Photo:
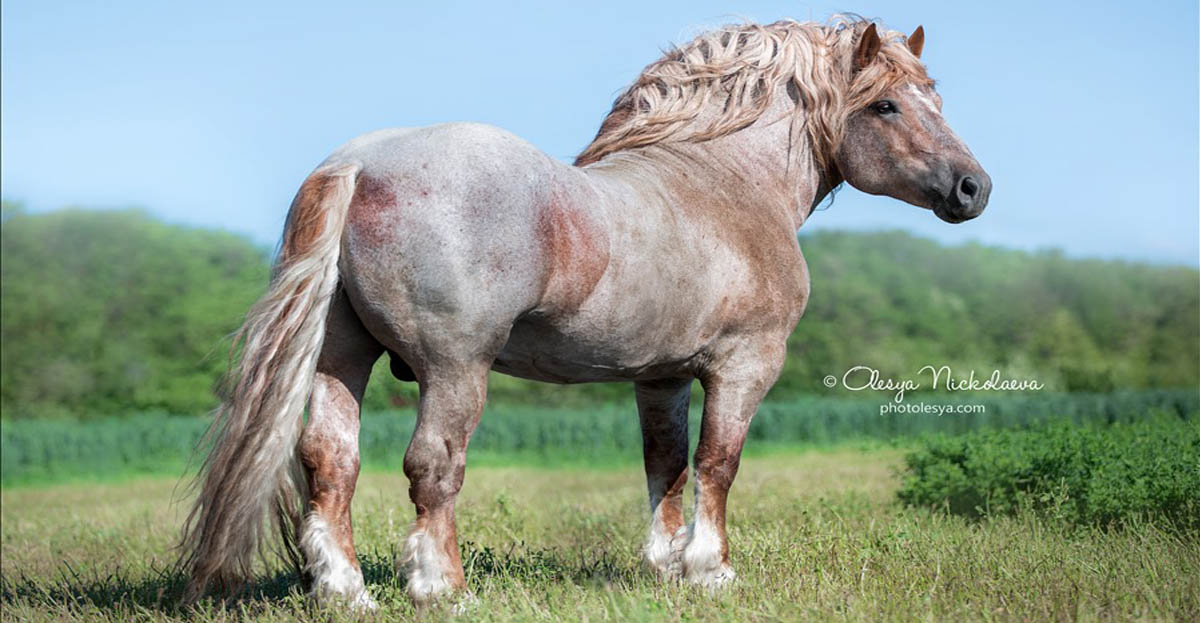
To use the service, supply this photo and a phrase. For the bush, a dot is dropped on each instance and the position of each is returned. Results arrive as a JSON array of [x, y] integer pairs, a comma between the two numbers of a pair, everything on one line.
[[1092, 474]]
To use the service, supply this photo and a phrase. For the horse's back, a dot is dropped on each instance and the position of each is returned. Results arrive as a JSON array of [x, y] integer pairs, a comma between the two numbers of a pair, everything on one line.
[[391, 150]]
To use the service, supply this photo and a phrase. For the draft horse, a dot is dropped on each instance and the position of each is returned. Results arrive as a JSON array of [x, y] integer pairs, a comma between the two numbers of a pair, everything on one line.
[[666, 253]]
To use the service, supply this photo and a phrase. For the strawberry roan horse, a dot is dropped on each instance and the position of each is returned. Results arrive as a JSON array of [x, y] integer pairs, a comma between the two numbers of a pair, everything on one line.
[[667, 253]]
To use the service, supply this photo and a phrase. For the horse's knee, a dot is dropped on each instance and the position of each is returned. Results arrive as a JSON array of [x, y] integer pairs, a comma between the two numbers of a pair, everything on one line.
[[435, 471]]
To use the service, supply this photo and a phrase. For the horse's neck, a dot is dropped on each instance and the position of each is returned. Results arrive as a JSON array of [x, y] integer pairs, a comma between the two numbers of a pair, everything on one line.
[[758, 168]]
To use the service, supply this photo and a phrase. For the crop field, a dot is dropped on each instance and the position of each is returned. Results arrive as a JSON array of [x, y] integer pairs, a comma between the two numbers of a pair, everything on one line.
[[816, 534], [51, 450]]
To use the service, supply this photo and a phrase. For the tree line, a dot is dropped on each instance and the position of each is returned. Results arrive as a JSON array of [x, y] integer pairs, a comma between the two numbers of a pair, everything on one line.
[[116, 312]]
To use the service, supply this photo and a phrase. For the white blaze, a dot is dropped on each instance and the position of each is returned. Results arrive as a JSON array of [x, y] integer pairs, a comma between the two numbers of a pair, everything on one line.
[[924, 99]]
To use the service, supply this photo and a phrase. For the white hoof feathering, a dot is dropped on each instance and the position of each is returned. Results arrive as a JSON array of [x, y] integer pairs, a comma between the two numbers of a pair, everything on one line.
[[663, 550], [702, 563], [426, 565], [465, 602], [334, 578]]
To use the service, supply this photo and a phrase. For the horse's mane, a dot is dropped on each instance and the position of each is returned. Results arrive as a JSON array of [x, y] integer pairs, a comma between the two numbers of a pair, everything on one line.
[[739, 68]]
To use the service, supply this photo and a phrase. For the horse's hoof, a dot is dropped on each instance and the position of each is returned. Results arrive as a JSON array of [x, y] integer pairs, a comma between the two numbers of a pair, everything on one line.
[[456, 602], [664, 554], [712, 579], [360, 602], [464, 602], [363, 603], [702, 561], [426, 566]]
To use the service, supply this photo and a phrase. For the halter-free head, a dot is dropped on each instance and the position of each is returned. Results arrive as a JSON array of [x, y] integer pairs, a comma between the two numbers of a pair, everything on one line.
[[863, 108], [896, 143]]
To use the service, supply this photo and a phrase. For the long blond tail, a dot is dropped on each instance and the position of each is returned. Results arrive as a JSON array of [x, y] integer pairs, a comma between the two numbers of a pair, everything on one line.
[[252, 480]]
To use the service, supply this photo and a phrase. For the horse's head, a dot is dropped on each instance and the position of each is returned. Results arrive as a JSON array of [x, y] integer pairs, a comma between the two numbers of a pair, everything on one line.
[[896, 143]]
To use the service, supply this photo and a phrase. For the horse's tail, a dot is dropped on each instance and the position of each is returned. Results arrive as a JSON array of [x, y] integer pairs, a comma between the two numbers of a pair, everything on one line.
[[252, 481]]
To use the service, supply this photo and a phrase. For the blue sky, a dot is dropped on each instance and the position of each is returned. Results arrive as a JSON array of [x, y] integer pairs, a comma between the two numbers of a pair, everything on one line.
[[1084, 114]]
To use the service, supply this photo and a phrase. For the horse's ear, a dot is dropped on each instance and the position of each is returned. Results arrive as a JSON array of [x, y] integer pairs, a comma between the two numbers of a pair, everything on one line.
[[916, 41], [868, 47]]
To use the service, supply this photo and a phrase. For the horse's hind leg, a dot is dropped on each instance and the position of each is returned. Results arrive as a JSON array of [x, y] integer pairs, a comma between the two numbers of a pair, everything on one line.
[[663, 411], [452, 398], [329, 453]]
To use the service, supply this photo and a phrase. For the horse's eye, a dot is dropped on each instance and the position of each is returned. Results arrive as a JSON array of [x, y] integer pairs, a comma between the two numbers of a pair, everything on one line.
[[885, 107]]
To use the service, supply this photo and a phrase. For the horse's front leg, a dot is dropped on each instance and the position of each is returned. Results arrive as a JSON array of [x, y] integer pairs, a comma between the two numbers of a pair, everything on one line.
[[663, 411], [734, 388], [451, 402]]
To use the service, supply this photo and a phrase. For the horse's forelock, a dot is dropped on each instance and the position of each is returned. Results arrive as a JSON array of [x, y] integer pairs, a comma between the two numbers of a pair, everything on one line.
[[741, 67]]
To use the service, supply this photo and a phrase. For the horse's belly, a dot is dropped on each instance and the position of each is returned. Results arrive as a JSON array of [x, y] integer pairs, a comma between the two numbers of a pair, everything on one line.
[[540, 351]]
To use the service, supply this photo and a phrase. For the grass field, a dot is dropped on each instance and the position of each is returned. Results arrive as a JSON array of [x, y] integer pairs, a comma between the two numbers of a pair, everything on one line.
[[816, 535]]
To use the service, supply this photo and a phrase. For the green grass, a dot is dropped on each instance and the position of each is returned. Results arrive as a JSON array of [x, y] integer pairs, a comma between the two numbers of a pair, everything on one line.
[[43, 451], [816, 536]]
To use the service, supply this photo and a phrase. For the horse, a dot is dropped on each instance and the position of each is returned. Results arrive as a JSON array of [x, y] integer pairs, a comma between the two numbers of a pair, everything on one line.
[[667, 253]]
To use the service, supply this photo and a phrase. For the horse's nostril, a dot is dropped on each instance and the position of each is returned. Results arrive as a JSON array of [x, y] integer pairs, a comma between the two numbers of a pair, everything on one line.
[[968, 186]]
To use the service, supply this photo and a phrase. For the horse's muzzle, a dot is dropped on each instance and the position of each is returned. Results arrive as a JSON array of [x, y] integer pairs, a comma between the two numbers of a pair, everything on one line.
[[967, 199]]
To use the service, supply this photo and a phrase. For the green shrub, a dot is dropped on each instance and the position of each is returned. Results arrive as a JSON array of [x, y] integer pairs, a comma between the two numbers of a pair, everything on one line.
[[1090, 474]]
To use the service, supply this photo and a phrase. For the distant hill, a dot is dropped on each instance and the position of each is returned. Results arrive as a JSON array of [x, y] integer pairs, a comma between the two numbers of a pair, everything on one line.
[[897, 302], [108, 312]]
